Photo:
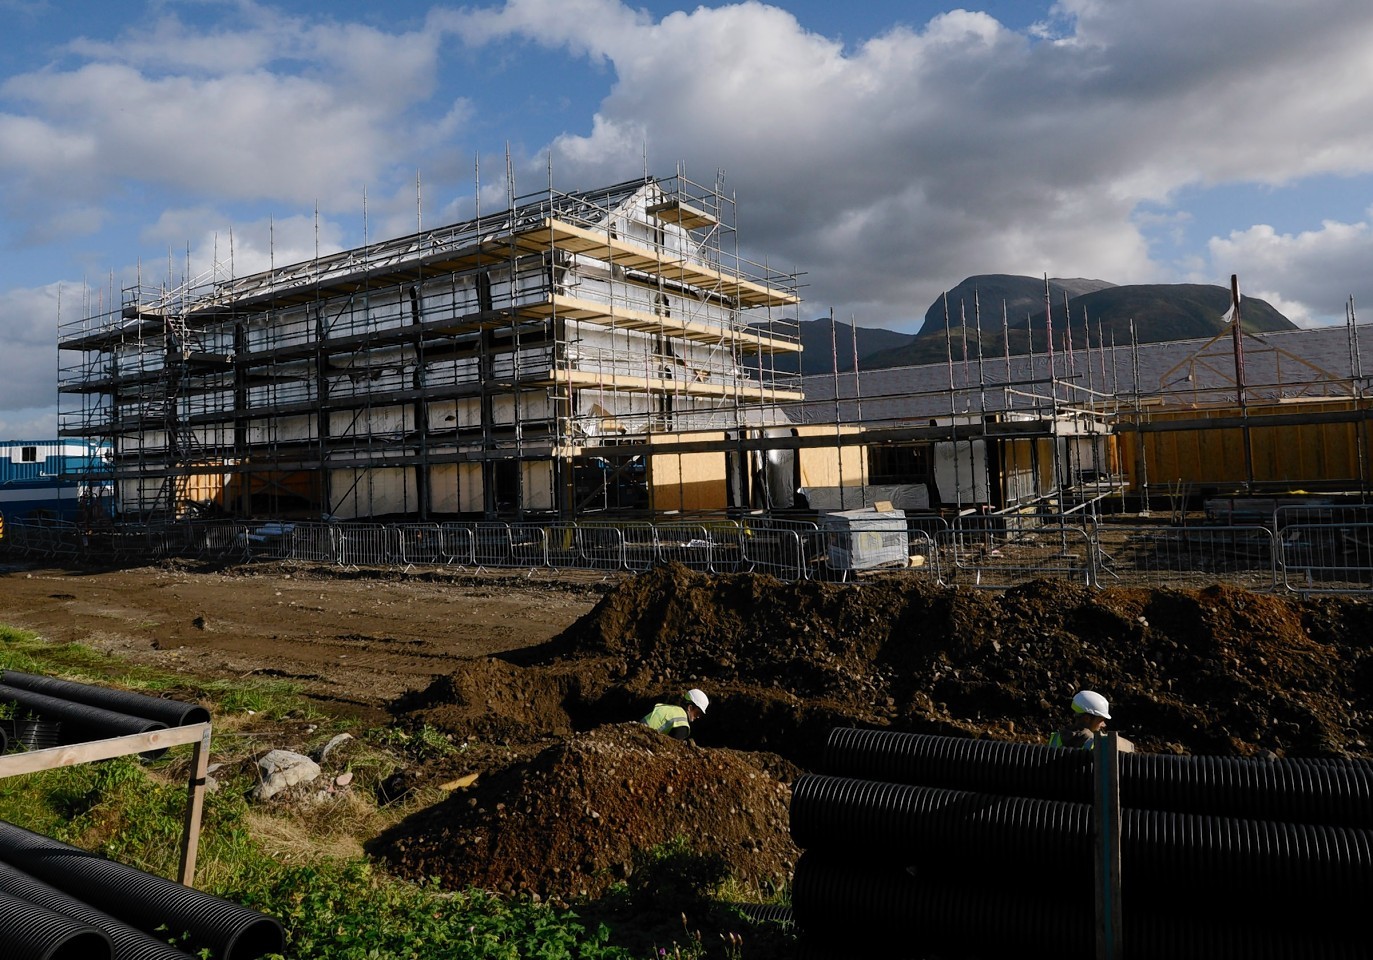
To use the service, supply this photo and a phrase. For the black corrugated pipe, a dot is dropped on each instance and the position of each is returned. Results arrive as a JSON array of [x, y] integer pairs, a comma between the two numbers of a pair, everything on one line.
[[1282, 867], [35, 933], [1337, 793], [883, 910], [173, 713], [82, 722], [4, 740], [230, 930], [127, 943]]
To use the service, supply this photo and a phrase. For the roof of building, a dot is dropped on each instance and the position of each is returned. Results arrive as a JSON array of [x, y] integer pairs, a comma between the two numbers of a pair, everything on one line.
[[1286, 365]]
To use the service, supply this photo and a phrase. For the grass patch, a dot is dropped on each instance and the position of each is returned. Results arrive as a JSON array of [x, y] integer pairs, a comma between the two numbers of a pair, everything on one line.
[[27, 652], [301, 861], [271, 698]]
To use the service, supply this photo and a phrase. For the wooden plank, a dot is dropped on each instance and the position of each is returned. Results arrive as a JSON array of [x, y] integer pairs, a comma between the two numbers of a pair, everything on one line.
[[683, 214], [700, 331], [585, 379], [555, 233], [12, 764]]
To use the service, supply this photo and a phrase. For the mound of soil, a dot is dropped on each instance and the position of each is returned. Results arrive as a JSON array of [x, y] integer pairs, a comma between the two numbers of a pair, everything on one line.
[[1215, 671], [568, 821]]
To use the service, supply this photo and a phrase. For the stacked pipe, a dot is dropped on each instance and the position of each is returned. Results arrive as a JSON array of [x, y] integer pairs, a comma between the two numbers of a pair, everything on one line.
[[126, 942], [58, 901], [141, 900], [34, 933], [89, 712], [937, 846]]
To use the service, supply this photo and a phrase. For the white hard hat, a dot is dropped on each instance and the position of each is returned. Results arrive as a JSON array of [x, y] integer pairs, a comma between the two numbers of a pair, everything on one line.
[[1095, 704], [699, 698]]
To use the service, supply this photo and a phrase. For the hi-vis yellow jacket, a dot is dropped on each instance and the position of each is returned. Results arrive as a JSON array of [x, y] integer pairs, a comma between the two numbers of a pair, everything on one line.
[[669, 719]]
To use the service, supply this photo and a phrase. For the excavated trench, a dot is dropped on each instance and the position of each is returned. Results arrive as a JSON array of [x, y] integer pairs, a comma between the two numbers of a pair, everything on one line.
[[568, 787]]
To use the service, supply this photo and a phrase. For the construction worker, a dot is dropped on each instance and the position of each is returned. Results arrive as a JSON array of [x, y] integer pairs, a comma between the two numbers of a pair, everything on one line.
[[1090, 713], [675, 719]]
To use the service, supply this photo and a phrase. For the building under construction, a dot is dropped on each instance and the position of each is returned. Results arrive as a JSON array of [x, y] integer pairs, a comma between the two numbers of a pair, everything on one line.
[[526, 363], [1238, 415], [610, 352]]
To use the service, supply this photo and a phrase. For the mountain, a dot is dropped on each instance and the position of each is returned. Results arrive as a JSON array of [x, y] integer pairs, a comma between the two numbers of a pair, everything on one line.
[[1173, 311], [1023, 296], [821, 341]]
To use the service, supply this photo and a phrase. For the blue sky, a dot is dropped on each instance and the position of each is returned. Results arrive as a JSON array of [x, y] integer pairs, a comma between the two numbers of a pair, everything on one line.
[[887, 150]]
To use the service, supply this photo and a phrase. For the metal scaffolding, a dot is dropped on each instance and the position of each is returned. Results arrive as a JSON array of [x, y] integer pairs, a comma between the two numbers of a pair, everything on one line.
[[611, 352], [459, 371]]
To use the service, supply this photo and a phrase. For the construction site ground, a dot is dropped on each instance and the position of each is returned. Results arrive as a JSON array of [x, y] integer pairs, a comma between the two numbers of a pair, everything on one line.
[[539, 678]]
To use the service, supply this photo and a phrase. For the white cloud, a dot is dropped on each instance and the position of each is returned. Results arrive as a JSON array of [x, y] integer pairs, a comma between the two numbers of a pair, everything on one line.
[[892, 170], [1308, 275], [204, 240], [273, 108], [37, 423], [28, 390]]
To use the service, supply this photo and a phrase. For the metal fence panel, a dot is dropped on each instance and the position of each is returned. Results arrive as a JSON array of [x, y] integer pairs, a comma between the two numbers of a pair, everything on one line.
[[640, 545], [492, 547], [1326, 558], [316, 542], [989, 555], [727, 546], [1186, 556], [217, 539], [458, 544], [1321, 514], [269, 541], [528, 545], [689, 544], [562, 551], [47, 538], [924, 555], [419, 543], [601, 546], [179, 539], [364, 545], [787, 549]]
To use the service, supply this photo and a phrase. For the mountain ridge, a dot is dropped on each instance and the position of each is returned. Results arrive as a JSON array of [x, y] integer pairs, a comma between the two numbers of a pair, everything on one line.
[[1114, 313]]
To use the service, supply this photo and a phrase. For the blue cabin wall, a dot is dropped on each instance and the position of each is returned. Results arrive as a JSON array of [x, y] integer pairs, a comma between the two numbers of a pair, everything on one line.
[[51, 478]]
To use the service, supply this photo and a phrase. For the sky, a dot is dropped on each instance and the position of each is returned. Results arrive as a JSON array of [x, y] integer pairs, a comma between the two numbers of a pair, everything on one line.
[[884, 150]]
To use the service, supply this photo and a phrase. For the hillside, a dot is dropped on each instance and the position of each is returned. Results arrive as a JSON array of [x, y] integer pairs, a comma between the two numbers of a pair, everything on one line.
[[1159, 312], [822, 340], [1023, 296]]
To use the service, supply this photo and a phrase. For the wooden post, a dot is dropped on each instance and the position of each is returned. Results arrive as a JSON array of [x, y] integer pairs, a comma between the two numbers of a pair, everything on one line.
[[195, 804], [1106, 765], [52, 758]]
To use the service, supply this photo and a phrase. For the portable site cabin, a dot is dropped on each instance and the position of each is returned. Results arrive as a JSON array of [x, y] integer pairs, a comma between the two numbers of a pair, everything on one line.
[[592, 351], [53, 479]]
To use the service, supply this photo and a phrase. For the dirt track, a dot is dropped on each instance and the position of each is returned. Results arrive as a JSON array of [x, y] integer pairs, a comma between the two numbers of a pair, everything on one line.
[[356, 640]]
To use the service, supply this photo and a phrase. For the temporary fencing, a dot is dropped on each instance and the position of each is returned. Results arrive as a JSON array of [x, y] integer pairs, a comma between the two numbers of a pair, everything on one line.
[[986, 552], [1303, 551], [1187, 556]]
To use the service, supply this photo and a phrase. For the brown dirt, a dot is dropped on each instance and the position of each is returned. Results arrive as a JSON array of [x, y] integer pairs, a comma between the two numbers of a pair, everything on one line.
[[536, 677], [353, 640]]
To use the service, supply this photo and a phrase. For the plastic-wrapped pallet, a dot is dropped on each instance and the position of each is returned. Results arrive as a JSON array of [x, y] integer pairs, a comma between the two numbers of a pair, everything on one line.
[[863, 539]]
